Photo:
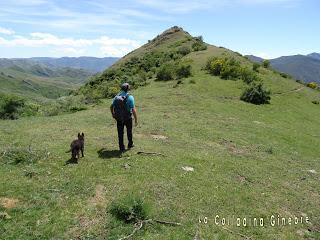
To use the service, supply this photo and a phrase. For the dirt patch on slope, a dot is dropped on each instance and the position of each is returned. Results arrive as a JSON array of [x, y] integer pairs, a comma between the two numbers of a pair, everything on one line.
[[99, 197], [8, 203]]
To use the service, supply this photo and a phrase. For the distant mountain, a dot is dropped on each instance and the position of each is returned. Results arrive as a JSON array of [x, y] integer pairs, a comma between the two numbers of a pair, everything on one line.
[[314, 55], [255, 58], [301, 67], [91, 64]]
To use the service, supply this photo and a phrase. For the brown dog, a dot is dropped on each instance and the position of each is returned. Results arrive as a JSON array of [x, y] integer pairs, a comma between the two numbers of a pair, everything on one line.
[[76, 146]]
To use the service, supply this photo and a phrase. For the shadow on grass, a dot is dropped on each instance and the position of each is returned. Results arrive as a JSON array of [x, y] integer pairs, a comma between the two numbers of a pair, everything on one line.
[[71, 161], [106, 154]]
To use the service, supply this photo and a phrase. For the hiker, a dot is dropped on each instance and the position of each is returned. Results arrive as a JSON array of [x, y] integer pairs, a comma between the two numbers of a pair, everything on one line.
[[122, 109]]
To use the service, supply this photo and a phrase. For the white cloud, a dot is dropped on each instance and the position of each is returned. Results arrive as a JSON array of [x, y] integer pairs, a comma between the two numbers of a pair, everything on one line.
[[69, 51], [107, 45], [186, 6], [6, 31]]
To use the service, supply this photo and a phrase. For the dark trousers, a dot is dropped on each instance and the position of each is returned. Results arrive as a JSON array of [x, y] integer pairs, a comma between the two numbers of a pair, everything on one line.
[[120, 128]]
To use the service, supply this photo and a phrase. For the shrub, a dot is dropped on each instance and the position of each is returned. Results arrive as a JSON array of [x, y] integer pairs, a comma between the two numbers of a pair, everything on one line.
[[166, 73], [226, 68], [11, 106], [199, 46], [192, 81], [312, 85], [20, 155], [284, 75], [215, 65], [266, 63], [230, 71], [184, 50], [183, 71], [130, 209], [315, 102], [255, 67], [247, 75], [256, 94]]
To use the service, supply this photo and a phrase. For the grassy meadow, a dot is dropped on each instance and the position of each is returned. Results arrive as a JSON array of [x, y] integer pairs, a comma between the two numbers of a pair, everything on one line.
[[248, 160], [242, 160]]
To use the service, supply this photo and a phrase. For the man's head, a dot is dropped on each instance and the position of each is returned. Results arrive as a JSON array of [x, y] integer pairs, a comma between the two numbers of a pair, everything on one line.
[[125, 87]]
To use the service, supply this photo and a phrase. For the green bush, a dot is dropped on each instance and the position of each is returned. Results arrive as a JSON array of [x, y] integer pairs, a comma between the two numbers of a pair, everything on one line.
[[214, 65], [183, 71], [130, 209], [312, 85], [226, 68], [255, 67], [199, 46], [166, 72], [284, 75], [266, 64], [11, 106], [247, 75], [184, 50], [256, 94]]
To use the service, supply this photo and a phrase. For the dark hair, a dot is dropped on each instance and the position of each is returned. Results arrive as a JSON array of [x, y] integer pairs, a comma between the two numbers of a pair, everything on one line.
[[125, 87]]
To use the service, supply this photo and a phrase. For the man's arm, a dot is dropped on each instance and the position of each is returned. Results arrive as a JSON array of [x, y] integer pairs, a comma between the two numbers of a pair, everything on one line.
[[134, 112]]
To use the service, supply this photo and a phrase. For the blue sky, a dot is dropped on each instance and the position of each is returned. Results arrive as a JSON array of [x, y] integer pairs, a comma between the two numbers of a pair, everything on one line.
[[56, 28]]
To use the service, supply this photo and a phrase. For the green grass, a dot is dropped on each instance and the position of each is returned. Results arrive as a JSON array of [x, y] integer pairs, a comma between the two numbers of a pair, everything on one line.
[[226, 141]]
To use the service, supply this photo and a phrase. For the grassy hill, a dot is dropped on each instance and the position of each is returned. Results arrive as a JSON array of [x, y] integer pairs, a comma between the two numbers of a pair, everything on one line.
[[248, 160]]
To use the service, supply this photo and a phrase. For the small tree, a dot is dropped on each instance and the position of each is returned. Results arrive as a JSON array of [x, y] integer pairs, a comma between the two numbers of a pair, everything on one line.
[[256, 94], [266, 63]]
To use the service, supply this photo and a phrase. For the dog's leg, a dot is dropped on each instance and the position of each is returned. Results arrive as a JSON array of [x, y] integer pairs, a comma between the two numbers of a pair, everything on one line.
[[82, 150]]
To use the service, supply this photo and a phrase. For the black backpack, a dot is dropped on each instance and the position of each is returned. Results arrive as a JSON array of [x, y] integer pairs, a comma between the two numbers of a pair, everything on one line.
[[120, 108]]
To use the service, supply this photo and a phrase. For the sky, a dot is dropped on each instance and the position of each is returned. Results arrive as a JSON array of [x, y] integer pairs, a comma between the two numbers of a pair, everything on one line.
[[104, 28]]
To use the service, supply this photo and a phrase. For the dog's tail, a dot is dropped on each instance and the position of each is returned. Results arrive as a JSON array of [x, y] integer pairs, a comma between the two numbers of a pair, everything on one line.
[[68, 151]]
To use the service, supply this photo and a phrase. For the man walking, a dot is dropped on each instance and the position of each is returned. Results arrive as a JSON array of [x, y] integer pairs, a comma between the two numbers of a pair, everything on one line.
[[122, 109]]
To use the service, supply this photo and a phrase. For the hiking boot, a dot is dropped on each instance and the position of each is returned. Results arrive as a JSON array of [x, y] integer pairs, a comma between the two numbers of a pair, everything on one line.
[[130, 146]]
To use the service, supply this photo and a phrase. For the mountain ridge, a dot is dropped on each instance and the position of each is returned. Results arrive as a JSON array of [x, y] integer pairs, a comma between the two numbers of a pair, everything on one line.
[[302, 67]]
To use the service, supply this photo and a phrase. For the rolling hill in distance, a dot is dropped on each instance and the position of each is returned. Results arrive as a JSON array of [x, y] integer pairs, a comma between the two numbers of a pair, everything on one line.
[[91, 64], [301, 67], [48, 77], [199, 152]]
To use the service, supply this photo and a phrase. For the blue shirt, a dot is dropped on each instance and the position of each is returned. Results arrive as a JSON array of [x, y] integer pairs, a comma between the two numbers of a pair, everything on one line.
[[130, 100]]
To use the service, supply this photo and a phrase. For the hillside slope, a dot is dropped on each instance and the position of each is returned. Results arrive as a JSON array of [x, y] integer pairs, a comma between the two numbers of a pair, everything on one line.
[[249, 162]]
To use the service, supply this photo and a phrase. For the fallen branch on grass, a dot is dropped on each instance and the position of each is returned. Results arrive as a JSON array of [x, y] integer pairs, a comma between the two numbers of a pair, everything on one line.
[[150, 153], [136, 229], [140, 224]]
